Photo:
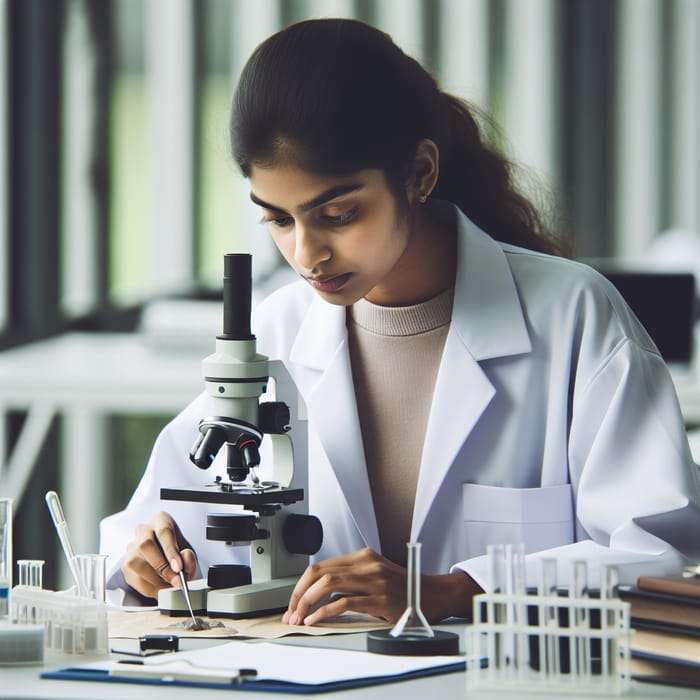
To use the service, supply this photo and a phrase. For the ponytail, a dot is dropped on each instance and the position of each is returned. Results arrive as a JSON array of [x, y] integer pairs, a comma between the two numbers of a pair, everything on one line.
[[478, 178]]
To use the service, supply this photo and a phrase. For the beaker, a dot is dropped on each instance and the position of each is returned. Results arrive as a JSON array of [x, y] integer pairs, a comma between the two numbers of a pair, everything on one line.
[[5, 556], [92, 568]]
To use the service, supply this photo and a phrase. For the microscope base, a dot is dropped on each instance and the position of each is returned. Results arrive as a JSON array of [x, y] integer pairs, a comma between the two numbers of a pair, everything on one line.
[[251, 600], [171, 601]]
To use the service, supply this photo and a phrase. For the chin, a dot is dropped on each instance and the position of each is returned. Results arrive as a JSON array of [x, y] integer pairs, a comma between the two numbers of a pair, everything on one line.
[[340, 298]]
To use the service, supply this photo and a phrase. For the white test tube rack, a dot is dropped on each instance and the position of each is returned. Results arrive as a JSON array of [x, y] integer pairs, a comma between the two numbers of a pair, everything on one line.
[[72, 624], [549, 642]]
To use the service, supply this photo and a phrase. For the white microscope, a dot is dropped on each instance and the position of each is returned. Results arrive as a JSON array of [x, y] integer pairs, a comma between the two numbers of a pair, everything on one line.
[[271, 515]]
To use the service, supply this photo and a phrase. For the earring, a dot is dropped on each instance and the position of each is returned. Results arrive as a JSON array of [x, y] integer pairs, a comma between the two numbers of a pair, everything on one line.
[[422, 198]]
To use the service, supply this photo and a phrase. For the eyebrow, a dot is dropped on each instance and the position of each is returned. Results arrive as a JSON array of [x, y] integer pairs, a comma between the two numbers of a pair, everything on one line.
[[325, 196]]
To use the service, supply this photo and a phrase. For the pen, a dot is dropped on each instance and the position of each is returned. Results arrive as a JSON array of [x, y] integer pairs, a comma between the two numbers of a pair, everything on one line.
[[59, 521], [181, 670]]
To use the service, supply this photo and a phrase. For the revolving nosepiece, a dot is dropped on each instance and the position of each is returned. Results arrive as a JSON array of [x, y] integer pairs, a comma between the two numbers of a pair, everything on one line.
[[242, 440]]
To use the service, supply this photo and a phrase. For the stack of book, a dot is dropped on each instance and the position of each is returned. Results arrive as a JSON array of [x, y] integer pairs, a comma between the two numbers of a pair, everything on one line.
[[665, 645]]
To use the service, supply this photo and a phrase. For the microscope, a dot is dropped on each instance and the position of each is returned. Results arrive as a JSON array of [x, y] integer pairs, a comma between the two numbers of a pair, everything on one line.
[[270, 515]]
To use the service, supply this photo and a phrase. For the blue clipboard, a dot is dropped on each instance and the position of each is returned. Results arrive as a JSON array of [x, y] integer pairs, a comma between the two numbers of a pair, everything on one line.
[[77, 673]]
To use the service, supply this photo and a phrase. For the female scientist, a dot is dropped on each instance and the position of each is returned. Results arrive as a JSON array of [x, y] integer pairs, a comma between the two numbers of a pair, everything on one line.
[[464, 385]]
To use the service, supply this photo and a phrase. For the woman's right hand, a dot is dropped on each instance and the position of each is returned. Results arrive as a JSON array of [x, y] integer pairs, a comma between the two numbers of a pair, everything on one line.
[[156, 556]]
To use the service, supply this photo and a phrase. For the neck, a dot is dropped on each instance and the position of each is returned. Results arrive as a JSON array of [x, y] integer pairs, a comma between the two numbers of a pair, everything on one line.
[[427, 267]]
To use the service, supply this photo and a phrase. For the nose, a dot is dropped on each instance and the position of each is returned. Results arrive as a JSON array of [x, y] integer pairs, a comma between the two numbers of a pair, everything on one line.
[[310, 247]]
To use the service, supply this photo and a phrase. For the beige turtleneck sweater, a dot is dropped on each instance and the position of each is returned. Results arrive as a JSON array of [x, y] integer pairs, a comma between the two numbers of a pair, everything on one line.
[[395, 354]]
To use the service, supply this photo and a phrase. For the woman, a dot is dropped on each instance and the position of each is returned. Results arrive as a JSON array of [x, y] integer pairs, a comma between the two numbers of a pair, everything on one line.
[[464, 385]]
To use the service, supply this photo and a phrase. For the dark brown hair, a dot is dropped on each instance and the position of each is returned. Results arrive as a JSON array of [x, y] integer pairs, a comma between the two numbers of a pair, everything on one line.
[[336, 95]]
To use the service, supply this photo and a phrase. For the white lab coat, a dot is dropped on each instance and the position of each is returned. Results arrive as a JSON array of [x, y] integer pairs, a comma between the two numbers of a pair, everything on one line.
[[554, 423]]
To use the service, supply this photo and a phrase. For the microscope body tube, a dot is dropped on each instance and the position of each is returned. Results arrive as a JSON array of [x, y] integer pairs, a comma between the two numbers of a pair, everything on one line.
[[235, 372], [236, 376]]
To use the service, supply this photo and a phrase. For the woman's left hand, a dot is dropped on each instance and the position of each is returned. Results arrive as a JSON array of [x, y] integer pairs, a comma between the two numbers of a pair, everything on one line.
[[368, 583]]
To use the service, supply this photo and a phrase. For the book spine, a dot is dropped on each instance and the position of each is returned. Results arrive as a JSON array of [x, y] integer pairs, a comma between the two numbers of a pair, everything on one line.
[[687, 588]]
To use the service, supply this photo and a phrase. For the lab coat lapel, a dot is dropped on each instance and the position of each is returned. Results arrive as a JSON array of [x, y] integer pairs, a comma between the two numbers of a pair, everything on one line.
[[462, 393], [333, 409], [487, 322]]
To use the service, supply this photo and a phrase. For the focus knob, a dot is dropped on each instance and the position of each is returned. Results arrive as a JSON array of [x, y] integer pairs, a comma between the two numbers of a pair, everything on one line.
[[302, 534], [273, 417], [228, 575], [232, 527]]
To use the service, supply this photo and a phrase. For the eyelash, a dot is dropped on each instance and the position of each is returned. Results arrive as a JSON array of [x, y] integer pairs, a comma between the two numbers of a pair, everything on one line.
[[279, 222], [341, 220]]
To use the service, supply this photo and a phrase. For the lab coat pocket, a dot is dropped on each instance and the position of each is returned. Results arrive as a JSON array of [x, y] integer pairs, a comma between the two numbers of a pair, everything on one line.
[[539, 518]]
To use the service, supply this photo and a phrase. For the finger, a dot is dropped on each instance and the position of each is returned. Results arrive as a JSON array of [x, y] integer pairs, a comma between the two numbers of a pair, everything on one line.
[[166, 533], [147, 549], [189, 561], [365, 564], [359, 556], [336, 566], [308, 578], [182, 542], [165, 573], [335, 581], [143, 578], [381, 596], [342, 604]]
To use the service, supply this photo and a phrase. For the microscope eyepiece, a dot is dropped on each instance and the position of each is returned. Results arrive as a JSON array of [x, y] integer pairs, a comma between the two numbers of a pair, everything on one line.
[[238, 285]]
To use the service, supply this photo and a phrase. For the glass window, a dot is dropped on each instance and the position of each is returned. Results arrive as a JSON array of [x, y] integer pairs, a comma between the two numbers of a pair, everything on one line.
[[4, 238], [131, 162]]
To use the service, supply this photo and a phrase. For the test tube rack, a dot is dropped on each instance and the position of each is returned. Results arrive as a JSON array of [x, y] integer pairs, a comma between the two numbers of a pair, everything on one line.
[[72, 624], [550, 641]]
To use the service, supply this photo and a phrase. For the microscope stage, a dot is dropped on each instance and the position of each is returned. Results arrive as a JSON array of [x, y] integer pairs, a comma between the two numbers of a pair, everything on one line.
[[241, 498]]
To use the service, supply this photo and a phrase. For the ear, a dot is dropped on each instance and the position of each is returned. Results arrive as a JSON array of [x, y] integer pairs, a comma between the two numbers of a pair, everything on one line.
[[424, 174]]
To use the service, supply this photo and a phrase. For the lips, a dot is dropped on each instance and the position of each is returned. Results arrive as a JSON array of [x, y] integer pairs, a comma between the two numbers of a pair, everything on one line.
[[329, 284]]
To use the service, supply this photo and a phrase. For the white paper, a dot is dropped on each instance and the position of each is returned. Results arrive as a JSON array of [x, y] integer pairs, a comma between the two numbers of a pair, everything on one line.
[[302, 664]]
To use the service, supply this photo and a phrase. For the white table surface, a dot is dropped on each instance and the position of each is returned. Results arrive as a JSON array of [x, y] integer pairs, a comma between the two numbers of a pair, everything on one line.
[[24, 682], [83, 375]]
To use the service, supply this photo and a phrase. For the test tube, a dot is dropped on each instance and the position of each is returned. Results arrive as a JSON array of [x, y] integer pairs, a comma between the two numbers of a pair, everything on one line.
[[518, 607], [30, 572], [550, 664], [496, 573], [496, 613], [6, 563], [515, 555], [514, 610], [579, 621], [609, 580]]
